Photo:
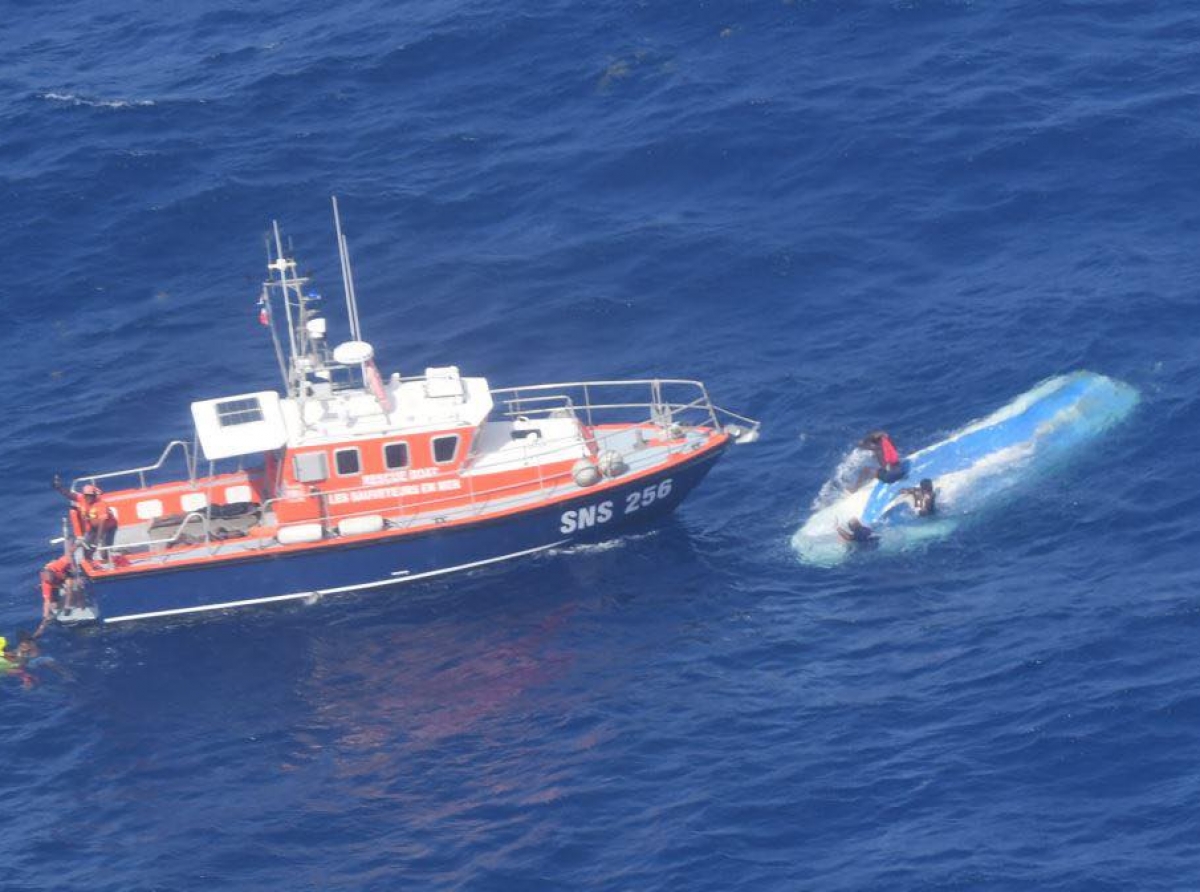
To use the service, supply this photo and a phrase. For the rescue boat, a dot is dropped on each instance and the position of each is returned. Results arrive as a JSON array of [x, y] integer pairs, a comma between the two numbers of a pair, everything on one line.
[[351, 481]]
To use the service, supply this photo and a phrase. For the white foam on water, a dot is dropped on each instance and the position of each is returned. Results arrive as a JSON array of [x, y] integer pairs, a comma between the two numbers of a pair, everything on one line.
[[845, 475], [601, 547], [72, 99]]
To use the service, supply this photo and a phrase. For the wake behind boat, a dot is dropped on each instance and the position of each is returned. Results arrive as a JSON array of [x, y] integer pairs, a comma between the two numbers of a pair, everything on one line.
[[352, 481], [971, 469]]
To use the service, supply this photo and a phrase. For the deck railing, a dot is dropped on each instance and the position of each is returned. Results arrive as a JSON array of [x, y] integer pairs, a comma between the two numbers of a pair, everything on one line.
[[140, 473], [599, 401]]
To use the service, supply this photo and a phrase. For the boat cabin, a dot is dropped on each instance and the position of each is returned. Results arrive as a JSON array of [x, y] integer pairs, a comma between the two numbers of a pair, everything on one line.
[[349, 454]]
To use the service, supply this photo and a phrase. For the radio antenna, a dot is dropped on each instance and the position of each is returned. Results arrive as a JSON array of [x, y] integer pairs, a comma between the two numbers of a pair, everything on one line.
[[347, 275]]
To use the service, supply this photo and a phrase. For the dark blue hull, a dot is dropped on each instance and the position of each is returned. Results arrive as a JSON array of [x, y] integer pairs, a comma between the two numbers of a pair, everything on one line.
[[335, 568]]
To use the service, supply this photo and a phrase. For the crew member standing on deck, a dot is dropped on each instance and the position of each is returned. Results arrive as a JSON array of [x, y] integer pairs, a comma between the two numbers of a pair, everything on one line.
[[97, 522]]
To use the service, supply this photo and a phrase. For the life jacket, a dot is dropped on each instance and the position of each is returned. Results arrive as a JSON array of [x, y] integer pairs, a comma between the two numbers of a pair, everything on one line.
[[55, 572], [92, 514], [887, 451]]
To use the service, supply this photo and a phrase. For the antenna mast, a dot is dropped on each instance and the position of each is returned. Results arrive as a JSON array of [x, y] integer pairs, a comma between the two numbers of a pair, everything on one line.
[[265, 302], [281, 265], [347, 275]]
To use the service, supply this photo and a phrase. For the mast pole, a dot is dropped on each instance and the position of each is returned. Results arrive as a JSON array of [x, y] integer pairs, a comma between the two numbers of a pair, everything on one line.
[[347, 275], [280, 266], [266, 299], [353, 292]]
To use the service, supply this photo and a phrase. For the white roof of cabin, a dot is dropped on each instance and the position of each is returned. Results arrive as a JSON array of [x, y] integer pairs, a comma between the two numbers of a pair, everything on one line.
[[239, 425], [441, 401], [500, 447]]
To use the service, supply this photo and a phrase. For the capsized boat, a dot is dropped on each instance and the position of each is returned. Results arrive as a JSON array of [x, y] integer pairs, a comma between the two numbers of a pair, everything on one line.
[[353, 481], [973, 469]]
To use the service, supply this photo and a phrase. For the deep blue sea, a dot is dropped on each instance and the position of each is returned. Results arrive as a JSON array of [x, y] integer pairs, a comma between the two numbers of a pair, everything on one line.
[[841, 216]]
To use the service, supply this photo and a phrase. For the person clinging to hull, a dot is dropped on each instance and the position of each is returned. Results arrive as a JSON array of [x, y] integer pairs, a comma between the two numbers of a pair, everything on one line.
[[924, 499], [857, 533], [891, 467]]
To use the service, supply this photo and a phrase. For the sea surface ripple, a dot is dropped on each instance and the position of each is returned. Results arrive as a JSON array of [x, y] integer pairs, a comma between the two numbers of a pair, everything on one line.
[[839, 216]]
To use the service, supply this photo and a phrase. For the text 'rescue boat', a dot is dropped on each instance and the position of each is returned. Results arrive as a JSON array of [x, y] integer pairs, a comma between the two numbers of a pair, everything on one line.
[[353, 481]]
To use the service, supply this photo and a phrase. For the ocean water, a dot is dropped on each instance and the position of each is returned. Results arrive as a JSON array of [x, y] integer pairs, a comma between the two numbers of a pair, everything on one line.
[[841, 217]]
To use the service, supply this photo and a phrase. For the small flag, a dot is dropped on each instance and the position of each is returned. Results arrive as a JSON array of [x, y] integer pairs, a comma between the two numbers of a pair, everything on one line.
[[264, 311]]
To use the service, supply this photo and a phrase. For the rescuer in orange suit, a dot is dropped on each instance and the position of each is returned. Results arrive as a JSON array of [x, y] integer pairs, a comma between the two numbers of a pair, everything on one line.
[[54, 577], [97, 522]]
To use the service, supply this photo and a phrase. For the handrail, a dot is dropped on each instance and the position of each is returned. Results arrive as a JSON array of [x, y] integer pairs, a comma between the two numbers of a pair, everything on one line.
[[627, 382], [142, 471], [656, 402], [540, 399], [188, 518], [754, 425], [679, 406]]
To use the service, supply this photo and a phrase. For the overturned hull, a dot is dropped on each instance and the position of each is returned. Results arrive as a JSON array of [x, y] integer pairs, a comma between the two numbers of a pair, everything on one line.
[[975, 468]]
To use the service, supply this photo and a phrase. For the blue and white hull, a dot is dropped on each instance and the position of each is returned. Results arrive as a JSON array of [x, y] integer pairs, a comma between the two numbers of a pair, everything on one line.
[[973, 468]]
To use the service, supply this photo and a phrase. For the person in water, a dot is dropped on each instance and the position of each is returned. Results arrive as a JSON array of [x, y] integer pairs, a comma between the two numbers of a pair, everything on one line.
[[12, 663], [924, 500], [891, 466], [857, 533], [28, 656]]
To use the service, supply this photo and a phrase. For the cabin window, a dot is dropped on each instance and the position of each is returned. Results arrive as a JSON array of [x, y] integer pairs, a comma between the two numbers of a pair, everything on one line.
[[310, 467], [346, 461], [231, 413], [148, 509], [395, 455], [445, 448]]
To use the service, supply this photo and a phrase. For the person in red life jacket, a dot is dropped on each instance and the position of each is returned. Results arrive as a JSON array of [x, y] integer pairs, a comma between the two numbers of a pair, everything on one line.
[[891, 466], [54, 577], [97, 522]]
